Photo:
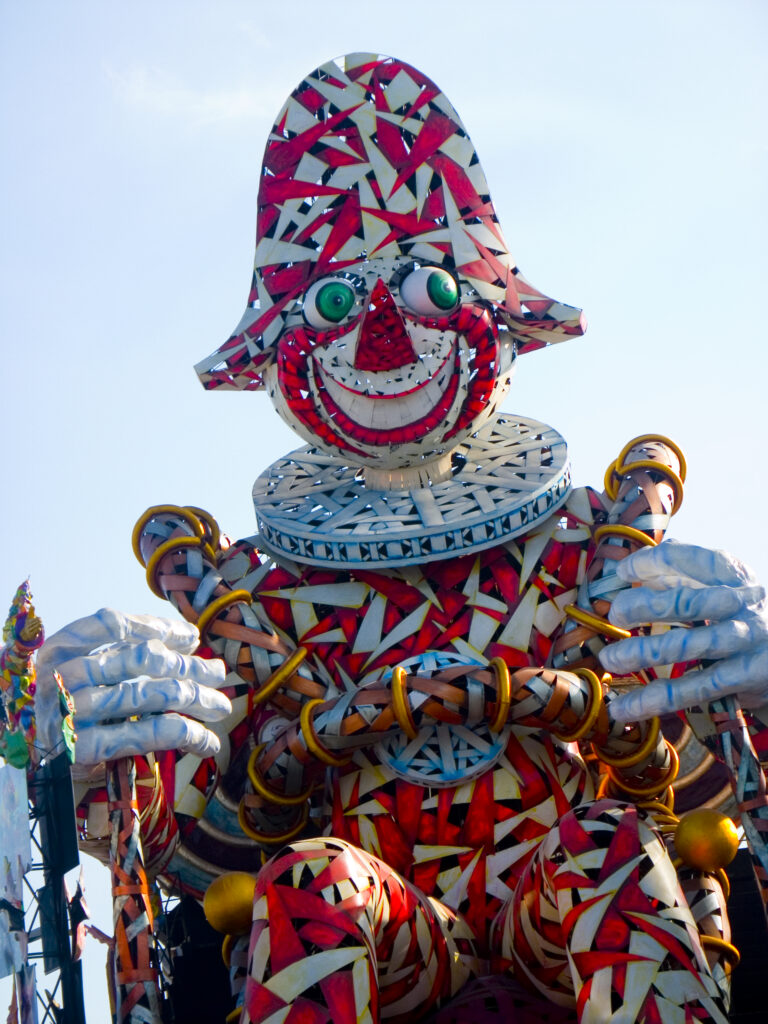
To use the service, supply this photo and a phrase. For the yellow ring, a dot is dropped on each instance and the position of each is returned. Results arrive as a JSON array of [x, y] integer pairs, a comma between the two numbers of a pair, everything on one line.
[[603, 789], [595, 623], [226, 950], [279, 676], [209, 613], [648, 464], [234, 1015], [595, 703], [210, 522], [668, 799], [271, 839], [503, 694], [645, 748], [659, 439], [617, 530], [724, 881], [157, 510], [652, 787], [611, 482], [659, 810], [160, 552], [310, 738], [268, 794], [400, 705], [730, 953]]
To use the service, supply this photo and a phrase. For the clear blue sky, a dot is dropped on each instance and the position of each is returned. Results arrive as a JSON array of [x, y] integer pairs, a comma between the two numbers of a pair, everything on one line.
[[625, 147]]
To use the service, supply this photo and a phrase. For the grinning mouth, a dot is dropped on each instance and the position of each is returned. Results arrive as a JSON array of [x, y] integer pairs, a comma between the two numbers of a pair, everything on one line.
[[375, 408], [377, 419]]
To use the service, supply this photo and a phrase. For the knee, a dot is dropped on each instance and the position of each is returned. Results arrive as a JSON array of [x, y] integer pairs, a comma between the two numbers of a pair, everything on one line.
[[325, 871], [602, 824]]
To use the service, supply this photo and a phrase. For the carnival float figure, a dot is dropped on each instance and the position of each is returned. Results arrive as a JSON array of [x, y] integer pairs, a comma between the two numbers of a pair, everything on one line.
[[398, 718]]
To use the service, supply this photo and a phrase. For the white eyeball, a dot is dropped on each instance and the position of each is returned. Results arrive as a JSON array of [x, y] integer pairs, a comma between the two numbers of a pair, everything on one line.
[[430, 291], [328, 302]]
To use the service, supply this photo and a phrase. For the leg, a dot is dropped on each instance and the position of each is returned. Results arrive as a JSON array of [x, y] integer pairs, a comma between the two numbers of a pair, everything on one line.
[[599, 922], [339, 938]]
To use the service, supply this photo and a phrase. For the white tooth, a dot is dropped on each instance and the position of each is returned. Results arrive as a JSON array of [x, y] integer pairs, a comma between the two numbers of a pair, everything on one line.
[[385, 413]]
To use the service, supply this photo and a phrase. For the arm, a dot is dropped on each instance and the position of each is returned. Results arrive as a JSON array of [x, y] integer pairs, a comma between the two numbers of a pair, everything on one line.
[[569, 705]]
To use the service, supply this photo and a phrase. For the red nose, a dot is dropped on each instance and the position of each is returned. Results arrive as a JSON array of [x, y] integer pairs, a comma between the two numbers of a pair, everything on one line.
[[383, 343]]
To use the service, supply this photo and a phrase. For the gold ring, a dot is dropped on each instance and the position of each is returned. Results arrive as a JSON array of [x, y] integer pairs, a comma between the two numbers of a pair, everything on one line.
[[174, 544], [209, 521], [226, 950], [617, 530], [279, 676], [645, 748], [400, 705], [594, 622], [157, 510], [659, 467], [503, 694], [212, 610], [650, 788], [658, 439], [264, 790], [593, 709], [731, 955], [611, 483], [271, 839], [724, 881], [314, 746]]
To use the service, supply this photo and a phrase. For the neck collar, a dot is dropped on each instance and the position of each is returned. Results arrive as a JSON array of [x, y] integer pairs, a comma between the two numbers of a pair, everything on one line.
[[313, 508]]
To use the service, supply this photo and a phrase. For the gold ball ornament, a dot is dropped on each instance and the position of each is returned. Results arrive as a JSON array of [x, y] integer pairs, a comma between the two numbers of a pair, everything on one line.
[[228, 902], [706, 840]]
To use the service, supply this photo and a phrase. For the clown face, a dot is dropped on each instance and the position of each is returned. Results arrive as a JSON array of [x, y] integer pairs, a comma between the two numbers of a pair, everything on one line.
[[386, 310], [392, 363]]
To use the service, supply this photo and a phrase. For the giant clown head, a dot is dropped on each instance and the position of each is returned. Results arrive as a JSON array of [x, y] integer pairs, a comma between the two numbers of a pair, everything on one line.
[[386, 312]]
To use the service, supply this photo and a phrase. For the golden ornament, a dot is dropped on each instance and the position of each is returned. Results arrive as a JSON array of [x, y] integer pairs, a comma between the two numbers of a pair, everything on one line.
[[706, 840], [228, 903]]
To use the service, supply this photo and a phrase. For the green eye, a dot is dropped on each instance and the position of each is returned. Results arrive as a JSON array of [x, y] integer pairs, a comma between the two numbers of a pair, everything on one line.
[[442, 289], [334, 301], [430, 291], [328, 302]]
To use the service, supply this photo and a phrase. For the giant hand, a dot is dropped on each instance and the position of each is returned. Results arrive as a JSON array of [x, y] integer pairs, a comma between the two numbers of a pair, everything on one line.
[[136, 686], [679, 583]]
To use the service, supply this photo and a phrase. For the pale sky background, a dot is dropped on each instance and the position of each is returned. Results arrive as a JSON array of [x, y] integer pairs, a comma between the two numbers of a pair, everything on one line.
[[625, 147]]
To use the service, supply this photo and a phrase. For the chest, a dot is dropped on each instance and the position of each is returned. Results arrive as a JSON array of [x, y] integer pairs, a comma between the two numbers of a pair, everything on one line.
[[505, 602]]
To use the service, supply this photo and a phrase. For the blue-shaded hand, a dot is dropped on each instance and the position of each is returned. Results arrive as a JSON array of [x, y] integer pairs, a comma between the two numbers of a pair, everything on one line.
[[678, 583], [135, 684]]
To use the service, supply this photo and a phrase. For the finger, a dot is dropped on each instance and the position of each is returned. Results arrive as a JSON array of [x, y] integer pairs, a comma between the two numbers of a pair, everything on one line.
[[160, 732], [147, 696], [702, 642], [128, 661], [639, 605], [108, 626], [671, 564], [744, 675]]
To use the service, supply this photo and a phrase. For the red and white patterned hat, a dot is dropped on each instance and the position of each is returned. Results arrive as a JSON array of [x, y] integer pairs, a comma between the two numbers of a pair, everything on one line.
[[368, 159]]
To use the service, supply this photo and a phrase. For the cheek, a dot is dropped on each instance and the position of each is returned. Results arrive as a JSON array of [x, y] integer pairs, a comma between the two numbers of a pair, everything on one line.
[[295, 348], [293, 390]]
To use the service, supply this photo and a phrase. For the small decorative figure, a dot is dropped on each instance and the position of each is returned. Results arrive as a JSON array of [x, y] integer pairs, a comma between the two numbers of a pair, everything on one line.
[[23, 636], [446, 806]]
